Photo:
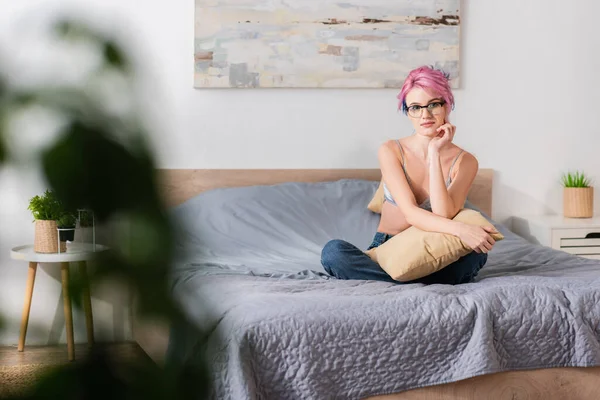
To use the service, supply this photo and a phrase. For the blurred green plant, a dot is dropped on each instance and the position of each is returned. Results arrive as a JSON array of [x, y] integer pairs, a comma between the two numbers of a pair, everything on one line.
[[575, 179], [3, 102], [103, 163]]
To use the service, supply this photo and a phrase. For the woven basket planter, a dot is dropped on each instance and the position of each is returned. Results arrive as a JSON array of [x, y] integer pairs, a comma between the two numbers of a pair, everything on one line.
[[46, 238], [578, 202]]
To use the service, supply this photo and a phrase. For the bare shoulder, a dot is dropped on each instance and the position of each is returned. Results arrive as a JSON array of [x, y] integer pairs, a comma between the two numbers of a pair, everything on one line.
[[467, 158], [388, 147], [467, 163], [389, 144]]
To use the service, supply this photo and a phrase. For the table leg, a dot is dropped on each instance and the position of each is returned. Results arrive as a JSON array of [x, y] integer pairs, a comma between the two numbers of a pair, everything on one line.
[[64, 267], [27, 304], [87, 303]]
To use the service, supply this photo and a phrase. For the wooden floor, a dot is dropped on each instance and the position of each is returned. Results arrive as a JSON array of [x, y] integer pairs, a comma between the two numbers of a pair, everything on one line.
[[24, 373], [50, 355]]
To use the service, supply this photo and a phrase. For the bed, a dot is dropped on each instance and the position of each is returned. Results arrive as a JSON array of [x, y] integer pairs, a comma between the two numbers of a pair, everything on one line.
[[528, 328]]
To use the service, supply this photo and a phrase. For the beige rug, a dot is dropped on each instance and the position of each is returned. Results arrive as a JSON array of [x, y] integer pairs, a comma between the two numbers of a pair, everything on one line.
[[16, 380]]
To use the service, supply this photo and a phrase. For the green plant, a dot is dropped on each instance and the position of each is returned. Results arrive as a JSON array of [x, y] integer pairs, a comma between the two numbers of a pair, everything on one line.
[[48, 207], [576, 180], [66, 220], [45, 207]]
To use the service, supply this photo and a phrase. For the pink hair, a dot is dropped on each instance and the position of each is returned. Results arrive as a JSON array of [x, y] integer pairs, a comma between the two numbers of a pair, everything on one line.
[[435, 82]]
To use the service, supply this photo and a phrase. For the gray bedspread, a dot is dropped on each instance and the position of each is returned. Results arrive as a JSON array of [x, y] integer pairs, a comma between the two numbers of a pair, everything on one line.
[[280, 328]]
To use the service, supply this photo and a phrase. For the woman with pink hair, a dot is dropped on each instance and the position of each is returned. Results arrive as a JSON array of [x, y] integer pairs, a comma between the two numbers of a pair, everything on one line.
[[426, 181]]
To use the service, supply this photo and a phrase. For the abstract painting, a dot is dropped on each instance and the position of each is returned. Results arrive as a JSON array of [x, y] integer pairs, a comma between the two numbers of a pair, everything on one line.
[[322, 43]]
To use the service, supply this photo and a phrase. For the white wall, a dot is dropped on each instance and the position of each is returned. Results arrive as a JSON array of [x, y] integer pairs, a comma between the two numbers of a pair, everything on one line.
[[527, 108]]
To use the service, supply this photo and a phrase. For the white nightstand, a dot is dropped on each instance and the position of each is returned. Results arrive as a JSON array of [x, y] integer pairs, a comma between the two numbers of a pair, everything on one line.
[[76, 252], [579, 236]]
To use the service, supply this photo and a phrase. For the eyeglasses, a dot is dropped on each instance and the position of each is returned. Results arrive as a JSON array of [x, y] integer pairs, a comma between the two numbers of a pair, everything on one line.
[[434, 108]]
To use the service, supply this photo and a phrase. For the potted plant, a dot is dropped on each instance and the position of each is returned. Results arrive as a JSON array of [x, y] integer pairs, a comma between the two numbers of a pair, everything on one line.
[[578, 195], [66, 221], [46, 209]]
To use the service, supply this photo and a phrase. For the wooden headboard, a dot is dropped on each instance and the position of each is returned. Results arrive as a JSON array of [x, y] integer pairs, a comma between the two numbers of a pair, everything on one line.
[[179, 185]]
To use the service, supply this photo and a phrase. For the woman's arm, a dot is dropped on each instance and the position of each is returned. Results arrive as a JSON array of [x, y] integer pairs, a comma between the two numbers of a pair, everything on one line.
[[447, 202], [395, 180]]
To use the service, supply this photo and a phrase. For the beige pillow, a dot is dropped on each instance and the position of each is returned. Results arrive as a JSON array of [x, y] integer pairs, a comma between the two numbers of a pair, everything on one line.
[[414, 253], [376, 202]]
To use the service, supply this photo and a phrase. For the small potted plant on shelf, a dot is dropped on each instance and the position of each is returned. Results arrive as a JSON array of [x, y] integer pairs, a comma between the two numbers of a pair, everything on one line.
[[46, 210], [578, 195], [67, 222]]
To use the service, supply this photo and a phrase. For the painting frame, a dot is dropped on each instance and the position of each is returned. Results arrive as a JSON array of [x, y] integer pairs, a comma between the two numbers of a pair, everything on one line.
[[326, 44]]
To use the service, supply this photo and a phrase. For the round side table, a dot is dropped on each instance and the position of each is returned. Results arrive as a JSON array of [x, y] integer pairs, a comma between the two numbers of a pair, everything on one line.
[[76, 252]]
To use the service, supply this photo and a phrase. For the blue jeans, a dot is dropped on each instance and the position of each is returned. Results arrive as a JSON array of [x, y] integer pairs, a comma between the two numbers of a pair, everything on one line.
[[343, 260]]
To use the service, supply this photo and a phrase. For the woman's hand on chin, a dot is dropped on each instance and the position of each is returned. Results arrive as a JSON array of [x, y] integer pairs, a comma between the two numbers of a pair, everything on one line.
[[445, 136]]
